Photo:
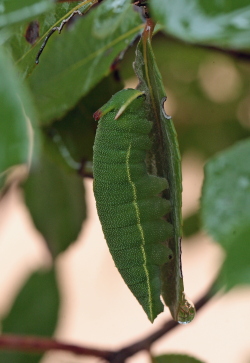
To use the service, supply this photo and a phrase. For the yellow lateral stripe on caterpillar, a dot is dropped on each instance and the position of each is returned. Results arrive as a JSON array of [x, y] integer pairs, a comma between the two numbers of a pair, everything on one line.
[[141, 232]]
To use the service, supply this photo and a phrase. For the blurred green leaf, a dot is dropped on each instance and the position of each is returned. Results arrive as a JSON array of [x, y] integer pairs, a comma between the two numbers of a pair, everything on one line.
[[191, 224], [175, 358], [225, 207], [76, 61], [225, 202], [16, 115], [56, 202], [224, 23], [16, 11], [209, 138], [75, 133], [2, 180], [236, 268], [195, 114], [34, 312]]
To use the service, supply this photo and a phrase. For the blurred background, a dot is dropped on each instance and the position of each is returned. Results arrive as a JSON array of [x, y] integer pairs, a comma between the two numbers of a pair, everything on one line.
[[209, 100]]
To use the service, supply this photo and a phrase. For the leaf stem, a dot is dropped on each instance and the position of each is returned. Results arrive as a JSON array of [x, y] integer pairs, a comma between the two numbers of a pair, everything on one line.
[[39, 345]]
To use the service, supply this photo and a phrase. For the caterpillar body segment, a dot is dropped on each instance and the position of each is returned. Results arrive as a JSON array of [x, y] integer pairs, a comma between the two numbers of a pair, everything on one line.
[[129, 206]]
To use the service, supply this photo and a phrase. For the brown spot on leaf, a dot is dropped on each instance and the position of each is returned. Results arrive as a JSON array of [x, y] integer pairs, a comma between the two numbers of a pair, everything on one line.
[[32, 32]]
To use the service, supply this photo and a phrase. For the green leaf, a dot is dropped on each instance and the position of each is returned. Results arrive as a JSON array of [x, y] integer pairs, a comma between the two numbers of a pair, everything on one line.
[[175, 358], [224, 23], [74, 62], [16, 116], [225, 207], [191, 224], [74, 134], [34, 312], [225, 203], [56, 202], [28, 37], [16, 11], [166, 160], [236, 268]]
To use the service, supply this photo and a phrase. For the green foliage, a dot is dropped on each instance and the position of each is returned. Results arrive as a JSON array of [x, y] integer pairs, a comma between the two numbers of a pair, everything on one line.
[[16, 114], [75, 132], [34, 312], [226, 193], [17, 11], [88, 51], [191, 224], [68, 85], [186, 72], [28, 37], [226, 210], [236, 270], [224, 23], [56, 202]]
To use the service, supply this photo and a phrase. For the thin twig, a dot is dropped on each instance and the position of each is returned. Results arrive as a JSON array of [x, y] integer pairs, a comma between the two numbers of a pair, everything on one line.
[[231, 52], [145, 343], [234, 53], [40, 345]]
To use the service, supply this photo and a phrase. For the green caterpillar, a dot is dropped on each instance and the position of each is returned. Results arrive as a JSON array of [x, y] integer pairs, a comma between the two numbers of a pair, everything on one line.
[[127, 197]]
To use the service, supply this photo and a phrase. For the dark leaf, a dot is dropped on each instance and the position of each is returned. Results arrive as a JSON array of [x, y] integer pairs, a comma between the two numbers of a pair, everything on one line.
[[56, 202], [175, 358], [34, 312], [191, 224], [74, 134]]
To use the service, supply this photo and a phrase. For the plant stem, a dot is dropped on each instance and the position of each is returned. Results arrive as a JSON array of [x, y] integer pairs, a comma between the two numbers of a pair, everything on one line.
[[147, 342], [40, 345]]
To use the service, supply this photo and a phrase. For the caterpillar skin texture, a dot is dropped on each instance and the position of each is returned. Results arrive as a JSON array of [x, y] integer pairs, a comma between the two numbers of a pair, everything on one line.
[[127, 197]]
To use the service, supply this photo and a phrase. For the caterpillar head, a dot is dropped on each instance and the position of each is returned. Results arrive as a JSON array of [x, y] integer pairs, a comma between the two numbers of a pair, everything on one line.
[[119, 101]]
